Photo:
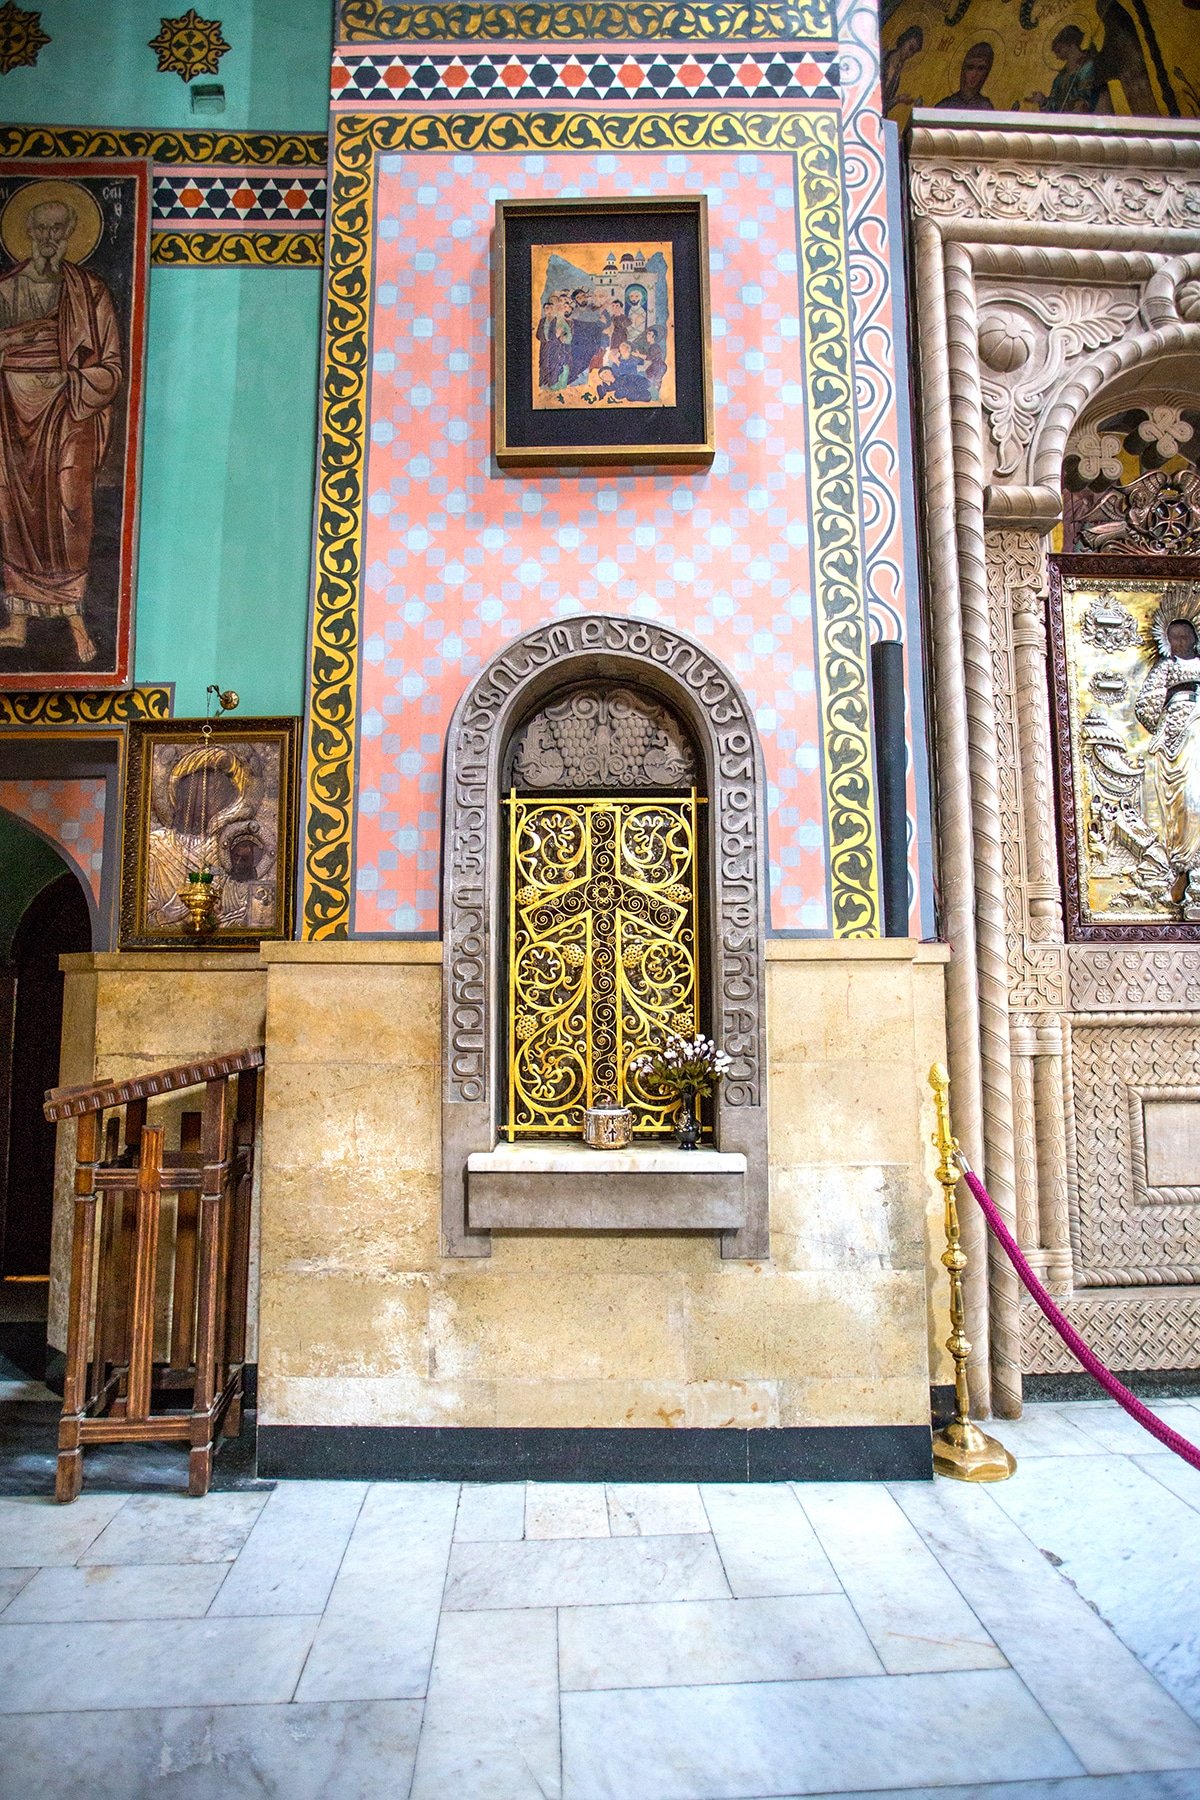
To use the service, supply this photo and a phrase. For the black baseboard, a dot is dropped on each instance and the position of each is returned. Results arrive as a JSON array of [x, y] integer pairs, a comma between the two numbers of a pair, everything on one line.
[[941, 1403], [483, 1453], [1147, 1384]]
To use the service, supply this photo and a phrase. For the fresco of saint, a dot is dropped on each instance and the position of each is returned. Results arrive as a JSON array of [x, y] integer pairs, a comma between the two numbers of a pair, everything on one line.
[[60, 373]]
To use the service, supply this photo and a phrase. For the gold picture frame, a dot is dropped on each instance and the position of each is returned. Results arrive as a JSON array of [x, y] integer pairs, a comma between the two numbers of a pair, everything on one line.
[[602, 332], [220, 799]]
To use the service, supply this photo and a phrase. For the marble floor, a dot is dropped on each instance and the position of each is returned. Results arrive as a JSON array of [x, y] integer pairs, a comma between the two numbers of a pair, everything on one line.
[[339, 1641]]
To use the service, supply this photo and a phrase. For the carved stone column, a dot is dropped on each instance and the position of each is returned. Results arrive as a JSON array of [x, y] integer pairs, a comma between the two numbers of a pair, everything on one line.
[[1023, 1039], [1053, 1193], [1027, 598]]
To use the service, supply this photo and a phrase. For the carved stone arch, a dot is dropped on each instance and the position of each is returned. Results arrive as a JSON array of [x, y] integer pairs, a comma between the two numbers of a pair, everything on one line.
[[1087, 383], [694, 685]]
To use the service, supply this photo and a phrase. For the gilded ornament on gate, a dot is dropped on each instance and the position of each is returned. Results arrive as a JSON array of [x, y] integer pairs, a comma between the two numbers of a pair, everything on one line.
[[602, 939]]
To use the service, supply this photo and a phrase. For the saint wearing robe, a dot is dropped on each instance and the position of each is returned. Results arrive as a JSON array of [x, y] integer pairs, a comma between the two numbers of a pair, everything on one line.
[[1168, 706], [60, 373]]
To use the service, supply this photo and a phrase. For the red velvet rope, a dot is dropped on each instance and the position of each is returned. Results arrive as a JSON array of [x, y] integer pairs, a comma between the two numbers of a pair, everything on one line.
[[1071, 1338]]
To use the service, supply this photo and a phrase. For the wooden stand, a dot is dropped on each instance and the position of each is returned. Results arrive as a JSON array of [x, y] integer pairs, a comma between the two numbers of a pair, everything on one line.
[[116, 1390]]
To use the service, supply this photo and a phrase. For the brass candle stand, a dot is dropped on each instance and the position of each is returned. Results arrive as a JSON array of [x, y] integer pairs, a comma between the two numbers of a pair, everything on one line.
[[960, 1449]]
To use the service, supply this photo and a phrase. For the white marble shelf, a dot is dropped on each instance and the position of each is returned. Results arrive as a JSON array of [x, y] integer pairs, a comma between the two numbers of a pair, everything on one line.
[[566, 1186]]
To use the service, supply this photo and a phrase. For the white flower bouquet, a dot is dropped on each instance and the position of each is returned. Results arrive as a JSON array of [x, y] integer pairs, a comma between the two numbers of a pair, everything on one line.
[[682, 1065]]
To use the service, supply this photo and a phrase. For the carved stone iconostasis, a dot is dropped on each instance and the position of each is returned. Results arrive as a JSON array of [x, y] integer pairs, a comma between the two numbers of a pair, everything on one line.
[[1056, 277]]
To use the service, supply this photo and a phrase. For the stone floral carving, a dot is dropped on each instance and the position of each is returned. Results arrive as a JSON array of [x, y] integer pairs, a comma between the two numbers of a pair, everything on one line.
[[1152, 198], [1055, 326], [603, 737]]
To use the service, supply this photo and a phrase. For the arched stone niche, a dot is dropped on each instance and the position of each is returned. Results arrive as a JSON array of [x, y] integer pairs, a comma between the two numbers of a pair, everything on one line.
[[553, 659]]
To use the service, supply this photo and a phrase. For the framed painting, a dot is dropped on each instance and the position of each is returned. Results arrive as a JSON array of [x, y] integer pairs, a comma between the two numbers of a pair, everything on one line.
[[209, 810], [1125, 641], [74, 265], [603, 344]]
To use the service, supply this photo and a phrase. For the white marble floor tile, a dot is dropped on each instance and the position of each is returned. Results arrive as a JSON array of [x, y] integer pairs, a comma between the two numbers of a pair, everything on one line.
[[563, 1509], [490, 1730], [1113, 1713], [360, 1751], [655, 1509], [179, 1662], [132, 1591], [1114, 1429], [11, 1582], [913, 1613], [806, 1737], [583, 1572], [376, 1639], [1173, 1473], [766, 1543], [289, 1561], [37, 1534], [175, 1528], [490, 1513], [1044, 1430], [1132, 1548], [690, 1643]]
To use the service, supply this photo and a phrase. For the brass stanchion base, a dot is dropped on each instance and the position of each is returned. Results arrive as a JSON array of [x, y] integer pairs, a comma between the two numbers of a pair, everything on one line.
[[964, 1453]]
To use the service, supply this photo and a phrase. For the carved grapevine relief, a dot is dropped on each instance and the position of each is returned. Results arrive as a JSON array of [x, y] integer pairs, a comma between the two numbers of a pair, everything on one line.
[[607, 737]]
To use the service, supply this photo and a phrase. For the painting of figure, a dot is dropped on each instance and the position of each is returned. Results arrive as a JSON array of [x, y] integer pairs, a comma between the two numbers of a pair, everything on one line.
[[72, 323], [1095, 57], [604, 325], [219, 807]]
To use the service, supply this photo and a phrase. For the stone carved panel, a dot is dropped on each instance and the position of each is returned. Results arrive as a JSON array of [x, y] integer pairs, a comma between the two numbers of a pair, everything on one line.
[[1134, 977], [1016, 578], [603, 737], [1126, 1234], [1029, 335], [620, 652], [1128, 1331], [1025, 194], [1156, 515]]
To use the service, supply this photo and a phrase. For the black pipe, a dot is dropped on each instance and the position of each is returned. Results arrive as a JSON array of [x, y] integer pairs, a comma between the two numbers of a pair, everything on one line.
[[891, 780]]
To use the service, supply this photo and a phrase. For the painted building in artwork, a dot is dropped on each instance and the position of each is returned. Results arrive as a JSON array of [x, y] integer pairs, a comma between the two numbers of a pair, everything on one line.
[[825, 737]]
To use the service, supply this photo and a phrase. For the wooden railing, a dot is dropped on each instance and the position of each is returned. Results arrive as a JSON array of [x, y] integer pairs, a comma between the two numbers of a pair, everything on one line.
[[117, 1390]]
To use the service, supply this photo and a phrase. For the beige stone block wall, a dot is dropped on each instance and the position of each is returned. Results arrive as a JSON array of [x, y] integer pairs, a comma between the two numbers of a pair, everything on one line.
[[364, 1322], [126, 1013]]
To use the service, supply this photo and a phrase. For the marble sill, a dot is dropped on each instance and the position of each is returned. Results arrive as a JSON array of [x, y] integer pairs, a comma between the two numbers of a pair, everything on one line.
[[542, 1186]]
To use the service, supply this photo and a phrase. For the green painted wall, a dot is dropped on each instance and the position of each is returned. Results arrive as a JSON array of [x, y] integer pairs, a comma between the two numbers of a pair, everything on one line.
[[97, 68], [232, 356], [27, 865], [227, 484]]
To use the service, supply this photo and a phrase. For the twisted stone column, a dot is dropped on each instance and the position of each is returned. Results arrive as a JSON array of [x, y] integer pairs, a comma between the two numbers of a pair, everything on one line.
[[956, 896], [990, 947], [1042, 887]]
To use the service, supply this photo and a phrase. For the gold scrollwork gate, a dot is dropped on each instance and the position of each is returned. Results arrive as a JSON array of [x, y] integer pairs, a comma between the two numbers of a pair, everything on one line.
[[602, 952]]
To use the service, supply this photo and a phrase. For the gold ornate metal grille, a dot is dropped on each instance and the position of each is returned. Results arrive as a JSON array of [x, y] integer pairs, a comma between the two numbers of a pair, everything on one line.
[[602, 952]]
